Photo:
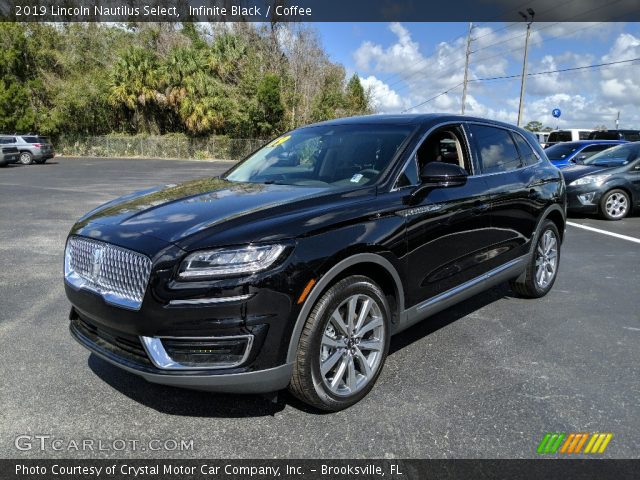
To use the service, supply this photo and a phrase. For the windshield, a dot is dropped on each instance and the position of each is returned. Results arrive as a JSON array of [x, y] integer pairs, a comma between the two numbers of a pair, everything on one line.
[[324, 156], [615, 156], [561, 151]]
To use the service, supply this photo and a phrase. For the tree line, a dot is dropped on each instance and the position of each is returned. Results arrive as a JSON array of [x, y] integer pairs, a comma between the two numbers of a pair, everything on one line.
[[242, 80]]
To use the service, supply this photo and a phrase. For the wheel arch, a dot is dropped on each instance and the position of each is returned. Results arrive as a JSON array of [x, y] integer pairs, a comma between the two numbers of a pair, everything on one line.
[[626, 189], [372, 265]]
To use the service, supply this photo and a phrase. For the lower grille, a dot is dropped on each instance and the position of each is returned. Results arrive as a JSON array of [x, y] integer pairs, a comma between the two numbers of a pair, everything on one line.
[[121, 344], [119, 275]]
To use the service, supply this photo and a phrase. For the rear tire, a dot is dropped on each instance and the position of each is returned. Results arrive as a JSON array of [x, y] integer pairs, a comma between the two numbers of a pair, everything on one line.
[[615, 205], [26, 158], [338, 361], [542, 269]]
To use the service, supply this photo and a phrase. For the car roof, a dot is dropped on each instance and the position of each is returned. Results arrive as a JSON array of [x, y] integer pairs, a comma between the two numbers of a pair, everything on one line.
[[592, 142], [410, 119]]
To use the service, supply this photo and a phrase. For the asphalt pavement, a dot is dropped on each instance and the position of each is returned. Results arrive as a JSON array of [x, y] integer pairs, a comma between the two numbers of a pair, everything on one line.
[[485, 379]]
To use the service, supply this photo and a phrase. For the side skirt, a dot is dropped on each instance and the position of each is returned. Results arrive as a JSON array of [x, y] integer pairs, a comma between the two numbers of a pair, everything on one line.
[[444, 300]]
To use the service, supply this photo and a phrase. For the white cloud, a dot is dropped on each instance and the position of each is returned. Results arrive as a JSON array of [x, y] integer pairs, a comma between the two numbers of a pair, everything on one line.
[[402, 74], [383, 98]]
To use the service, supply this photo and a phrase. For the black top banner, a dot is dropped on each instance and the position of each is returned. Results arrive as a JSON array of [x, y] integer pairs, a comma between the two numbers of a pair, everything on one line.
[[317, 10]]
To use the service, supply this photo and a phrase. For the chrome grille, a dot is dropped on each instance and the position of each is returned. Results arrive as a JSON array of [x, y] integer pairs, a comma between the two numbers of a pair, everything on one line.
[[119, 275]]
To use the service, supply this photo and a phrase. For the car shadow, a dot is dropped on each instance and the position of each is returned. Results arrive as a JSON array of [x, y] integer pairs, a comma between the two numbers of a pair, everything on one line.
[[442, 319], [194, 403], [183, 402]]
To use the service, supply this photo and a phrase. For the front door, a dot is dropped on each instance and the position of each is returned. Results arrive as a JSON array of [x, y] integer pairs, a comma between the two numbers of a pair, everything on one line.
[[447, 229]]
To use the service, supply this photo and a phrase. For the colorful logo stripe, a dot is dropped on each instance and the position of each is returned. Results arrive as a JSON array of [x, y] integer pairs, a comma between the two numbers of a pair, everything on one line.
[[573, 443]]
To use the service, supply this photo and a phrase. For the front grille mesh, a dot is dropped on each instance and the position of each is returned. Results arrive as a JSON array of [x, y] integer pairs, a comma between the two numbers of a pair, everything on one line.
[[108, 269]]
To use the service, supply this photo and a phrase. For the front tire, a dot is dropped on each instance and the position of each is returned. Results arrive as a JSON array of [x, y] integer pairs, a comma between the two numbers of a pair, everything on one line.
[[615, 205], [542, 269], [26, 158], [343, 346]]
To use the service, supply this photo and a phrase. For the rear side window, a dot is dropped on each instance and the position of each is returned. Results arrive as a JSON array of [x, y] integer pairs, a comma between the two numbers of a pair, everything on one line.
[[592, 150], [526, 152], [495, 149], [31, 139], [583, 135], [560, 136], [632, 136]]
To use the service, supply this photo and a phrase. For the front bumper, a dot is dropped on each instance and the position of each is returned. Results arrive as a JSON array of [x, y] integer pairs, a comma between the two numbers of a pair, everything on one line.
[[128, 358], [583, 198]]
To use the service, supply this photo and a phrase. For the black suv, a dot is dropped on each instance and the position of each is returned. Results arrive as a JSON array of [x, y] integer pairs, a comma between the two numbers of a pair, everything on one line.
[[629, 135], [296, 266]]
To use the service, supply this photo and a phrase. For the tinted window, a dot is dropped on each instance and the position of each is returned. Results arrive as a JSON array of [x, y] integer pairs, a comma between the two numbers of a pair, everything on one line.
[[591, 150], [409, 176], [616, 156], [526, 152], [561, 150], [324, 156], [632, 136], [6, 140], [560, 136], [583, 134], [605, 136], [495, 149], [31, 139]]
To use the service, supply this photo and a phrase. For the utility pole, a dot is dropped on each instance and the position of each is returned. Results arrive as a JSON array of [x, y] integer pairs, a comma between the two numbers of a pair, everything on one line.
[[466, 68], [618, 121], [528, 17]]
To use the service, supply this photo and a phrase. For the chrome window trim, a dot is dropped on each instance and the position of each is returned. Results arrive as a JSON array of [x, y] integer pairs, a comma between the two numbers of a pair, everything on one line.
[[395, 188], [213, 300], [475, 122], [161, 359]]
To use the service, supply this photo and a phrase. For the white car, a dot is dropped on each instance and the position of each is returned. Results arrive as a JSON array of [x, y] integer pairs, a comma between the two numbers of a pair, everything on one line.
[[567, 135], [542, 138]]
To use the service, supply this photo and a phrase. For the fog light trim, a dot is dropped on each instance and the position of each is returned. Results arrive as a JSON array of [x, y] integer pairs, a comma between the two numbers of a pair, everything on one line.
[[161, 358], [586, 198]]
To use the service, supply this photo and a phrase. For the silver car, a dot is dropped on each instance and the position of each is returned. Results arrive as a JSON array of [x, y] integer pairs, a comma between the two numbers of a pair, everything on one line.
[[32, 148]]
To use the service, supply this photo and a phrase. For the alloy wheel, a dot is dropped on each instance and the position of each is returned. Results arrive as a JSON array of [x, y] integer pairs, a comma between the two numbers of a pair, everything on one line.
[[616, 205], [352, 345], [546, 259], [25, 158]]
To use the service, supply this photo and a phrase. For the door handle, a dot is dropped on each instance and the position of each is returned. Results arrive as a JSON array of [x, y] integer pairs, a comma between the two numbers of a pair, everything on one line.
[[480, 207]]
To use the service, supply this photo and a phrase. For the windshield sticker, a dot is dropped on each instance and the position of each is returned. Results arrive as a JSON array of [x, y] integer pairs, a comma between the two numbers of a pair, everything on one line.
[[356, 178], [279, 141]]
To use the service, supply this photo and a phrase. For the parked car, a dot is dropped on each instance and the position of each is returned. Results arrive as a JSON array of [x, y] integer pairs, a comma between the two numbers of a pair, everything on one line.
[[296, 266], [629, 135], [32, 148], [8, 154], [568, 153], [607, 183], [542, 138], [567, 135]]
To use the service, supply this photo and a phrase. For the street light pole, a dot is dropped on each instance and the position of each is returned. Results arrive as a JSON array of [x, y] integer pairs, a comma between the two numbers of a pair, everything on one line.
[[529, 19]]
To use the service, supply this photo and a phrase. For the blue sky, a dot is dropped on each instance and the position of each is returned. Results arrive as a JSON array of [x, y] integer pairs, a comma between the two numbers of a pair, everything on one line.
[[403, 64]]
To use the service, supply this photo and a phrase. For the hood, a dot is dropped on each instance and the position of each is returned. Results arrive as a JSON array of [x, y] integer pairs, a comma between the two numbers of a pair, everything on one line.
[[577, 171], [174, 212]]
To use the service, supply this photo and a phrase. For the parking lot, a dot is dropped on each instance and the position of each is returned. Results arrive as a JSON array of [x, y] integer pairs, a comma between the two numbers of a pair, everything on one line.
[[485, 379]]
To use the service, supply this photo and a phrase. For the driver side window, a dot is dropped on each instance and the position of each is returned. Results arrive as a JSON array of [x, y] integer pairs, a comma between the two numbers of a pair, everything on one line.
[[445, 144]]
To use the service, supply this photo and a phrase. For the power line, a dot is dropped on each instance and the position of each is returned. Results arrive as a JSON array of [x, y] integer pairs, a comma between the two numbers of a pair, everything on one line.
[[508, 77], [561, 70], [432, 98]]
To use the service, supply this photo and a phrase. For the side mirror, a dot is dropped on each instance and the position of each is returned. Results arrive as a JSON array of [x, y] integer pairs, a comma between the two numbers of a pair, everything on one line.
[[442, 175], [438, 175], [580, 160]]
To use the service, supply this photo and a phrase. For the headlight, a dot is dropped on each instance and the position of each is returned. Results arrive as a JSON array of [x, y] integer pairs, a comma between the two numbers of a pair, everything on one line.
[[230, 261], [597, 179]]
